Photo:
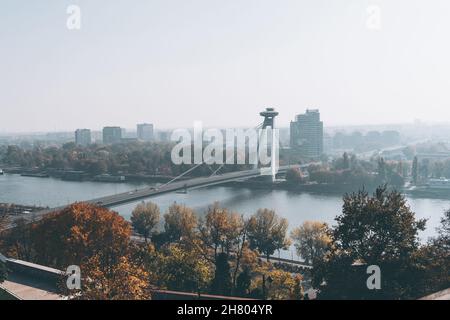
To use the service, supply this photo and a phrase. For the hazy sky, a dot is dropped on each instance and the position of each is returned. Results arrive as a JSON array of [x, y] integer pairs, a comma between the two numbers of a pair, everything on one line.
[[171, 62]]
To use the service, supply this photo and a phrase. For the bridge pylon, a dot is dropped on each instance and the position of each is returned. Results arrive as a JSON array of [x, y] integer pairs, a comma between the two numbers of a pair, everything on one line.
[[269, 122]]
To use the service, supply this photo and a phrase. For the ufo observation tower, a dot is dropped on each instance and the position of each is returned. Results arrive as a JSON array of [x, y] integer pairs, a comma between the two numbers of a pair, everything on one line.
[[269, 122]]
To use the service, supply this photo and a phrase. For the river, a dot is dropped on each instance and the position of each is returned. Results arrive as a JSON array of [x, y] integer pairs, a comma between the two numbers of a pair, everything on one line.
[[296, 207]]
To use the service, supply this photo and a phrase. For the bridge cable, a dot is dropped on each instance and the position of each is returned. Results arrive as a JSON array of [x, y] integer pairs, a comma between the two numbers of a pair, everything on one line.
[[203, 162], [232, 156]]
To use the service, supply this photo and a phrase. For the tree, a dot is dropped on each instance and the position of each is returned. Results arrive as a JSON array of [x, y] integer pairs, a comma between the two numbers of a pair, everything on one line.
[[244, 254], [243, 282], [438, 169], [346, 161], [145, 218], [122, 281], [182, 268], [246, 262], [424, 169], [224, 231], [311, 240], [221, 283], [3, 221], [379, 230], [353, 161], [414, 170], [298, 293], [3, 271], [277, 284], [294, 176], [19, 242], [97, 167], [98, 241], [396, 180], [342, 163], [267, 232], [434, 258], [382, 171], [180, 223], [132, 157], [78, 232], [221, 229], [443, 247], [444, 229]]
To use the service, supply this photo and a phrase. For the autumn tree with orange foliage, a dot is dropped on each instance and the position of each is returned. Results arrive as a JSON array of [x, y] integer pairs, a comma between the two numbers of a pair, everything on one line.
[[122, 281], [276, 284], [78, 233], [221, 229], [180, 224], [98, 241]]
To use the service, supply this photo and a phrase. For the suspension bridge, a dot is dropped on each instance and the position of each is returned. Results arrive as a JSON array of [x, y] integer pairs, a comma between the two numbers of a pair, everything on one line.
[[193, 183]]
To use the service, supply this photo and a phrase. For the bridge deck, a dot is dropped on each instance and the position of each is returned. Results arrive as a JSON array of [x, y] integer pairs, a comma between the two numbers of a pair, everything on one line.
[[136, 195]]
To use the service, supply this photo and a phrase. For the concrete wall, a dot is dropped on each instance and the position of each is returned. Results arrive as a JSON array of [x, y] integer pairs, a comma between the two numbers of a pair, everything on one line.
[[49, 275]]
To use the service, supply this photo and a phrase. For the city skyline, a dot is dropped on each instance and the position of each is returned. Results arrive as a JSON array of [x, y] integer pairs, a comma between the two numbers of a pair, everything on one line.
[[363, 127], [237, 151], [209, 60]]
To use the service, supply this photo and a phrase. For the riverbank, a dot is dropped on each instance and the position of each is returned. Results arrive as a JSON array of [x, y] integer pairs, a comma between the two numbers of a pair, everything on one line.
[[428, 193], [315, 188], [336, 189], [80, 176]]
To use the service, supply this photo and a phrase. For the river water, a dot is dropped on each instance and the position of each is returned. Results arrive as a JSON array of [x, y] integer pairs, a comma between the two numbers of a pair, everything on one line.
[[296, 207]]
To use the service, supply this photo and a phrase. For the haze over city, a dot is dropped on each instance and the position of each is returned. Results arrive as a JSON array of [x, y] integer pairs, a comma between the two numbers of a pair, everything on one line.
[[175, 62], [241, 152]]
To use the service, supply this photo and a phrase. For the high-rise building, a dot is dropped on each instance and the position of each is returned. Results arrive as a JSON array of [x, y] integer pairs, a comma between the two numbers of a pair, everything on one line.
[[83, 137], [145, 132], [112, 135], [307, 134]]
